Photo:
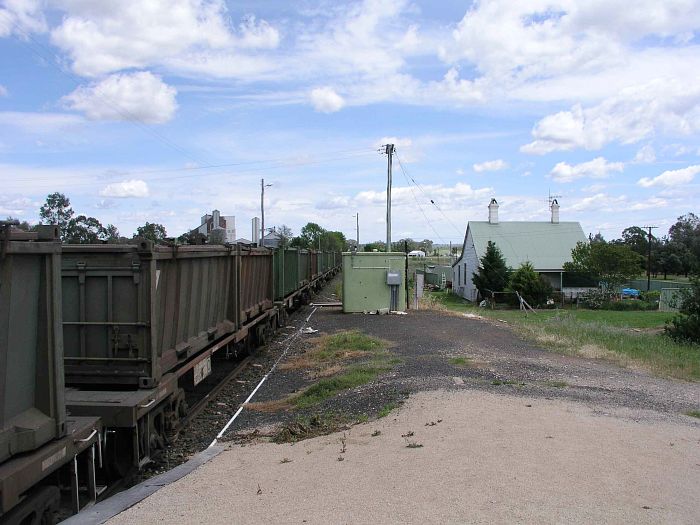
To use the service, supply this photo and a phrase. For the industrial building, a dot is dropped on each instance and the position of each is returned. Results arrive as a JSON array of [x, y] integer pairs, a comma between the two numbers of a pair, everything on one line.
[[216, 221]]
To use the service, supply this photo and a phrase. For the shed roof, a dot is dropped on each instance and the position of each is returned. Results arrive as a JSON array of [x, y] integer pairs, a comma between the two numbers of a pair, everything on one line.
[[546, 245]]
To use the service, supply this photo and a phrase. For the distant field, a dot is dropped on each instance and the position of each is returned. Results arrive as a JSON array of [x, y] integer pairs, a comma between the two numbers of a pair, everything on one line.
[[625, 337]]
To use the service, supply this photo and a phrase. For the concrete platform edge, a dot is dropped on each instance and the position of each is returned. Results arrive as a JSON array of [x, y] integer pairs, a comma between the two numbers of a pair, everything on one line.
[[118, 503]]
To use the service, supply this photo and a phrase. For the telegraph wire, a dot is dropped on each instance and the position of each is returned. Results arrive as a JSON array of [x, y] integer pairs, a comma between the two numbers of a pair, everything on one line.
[[426, 194]]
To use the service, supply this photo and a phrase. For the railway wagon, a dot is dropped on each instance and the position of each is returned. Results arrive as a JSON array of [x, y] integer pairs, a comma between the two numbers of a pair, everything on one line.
[[133, 313], [32, 410], [304, 267], [142, 324], [286, 272], [41, 448]]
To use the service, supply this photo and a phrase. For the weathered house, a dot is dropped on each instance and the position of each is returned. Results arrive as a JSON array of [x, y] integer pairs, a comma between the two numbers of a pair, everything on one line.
[[546, 245]]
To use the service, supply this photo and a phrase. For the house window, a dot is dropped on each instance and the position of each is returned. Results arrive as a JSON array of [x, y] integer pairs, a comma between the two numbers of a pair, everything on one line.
[[465, 273]]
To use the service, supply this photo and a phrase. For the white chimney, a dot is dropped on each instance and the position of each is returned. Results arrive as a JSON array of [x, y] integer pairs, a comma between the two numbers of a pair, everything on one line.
[[555, 211], [493, 212], [215, 219], [255, 236]]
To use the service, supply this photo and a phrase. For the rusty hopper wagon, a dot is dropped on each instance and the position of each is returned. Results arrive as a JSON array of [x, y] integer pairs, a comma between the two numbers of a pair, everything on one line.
[[133, 313], [41, 448], [130, 329]]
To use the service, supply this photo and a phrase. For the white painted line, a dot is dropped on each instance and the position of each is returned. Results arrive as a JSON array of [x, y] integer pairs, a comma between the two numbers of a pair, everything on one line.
[[290, 339]]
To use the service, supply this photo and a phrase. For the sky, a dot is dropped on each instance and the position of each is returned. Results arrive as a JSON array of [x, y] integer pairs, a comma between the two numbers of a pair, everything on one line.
[[163, 110]]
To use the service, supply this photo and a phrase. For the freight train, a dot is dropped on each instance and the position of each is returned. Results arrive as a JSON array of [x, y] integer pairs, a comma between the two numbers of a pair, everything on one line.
[[100, 343]]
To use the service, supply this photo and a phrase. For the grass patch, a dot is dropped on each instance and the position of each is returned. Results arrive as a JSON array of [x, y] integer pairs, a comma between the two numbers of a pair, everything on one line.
[[329, 352], [557, 384], [460, 361], [329, 387], [386, 410], [599, 334], [693, 413]]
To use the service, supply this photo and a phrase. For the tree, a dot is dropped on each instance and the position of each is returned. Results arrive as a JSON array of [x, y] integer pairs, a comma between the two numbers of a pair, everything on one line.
[[613, 264], [685, 325], [112, 234], [493, 273], [286, 235], [57, 210], [192, 237], [85, 230], [686, 232], [376, 245], [310, 235], [152, 231], [530, 285], [23, 225], [597, 238], [404, 244], [426, 245], [217, 236], [333, 241]]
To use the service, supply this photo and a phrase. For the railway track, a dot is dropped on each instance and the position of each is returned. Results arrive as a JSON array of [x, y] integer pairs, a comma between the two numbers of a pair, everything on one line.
[[203, 402]]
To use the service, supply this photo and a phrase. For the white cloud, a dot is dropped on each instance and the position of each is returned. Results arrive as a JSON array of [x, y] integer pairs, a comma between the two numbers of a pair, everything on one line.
[[490, 165], [598, 168], [600, 202], [138, 96], [257, 35], [103, 37], [554, 37], [671, 177], [20, 17], [326, 100], [645, 155], [3, 91], [128, 188], [633, 115]]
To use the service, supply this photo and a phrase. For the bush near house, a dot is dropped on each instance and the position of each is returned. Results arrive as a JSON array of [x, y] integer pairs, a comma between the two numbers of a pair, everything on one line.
[[530, 285], [685, 326]]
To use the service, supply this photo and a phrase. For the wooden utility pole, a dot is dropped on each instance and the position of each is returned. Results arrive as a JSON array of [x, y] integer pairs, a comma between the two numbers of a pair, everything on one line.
[[390, 153], [262, 210], [649, 256]]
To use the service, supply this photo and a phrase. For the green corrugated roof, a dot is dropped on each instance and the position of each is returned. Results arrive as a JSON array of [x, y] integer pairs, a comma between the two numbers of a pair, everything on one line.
[[547, 246]]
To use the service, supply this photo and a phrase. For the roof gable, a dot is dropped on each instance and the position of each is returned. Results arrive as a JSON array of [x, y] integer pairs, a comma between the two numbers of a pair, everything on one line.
[[544, 244]]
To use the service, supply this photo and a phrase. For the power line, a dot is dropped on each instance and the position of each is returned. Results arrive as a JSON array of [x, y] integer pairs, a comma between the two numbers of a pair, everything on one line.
[[420, 208], [458, 230]]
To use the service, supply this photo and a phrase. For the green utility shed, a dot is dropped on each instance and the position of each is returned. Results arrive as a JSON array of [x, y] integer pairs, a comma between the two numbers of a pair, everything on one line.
[[374, 281]]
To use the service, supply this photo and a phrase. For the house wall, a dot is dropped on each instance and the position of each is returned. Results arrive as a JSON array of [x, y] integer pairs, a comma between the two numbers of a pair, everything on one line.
[[465, 268]]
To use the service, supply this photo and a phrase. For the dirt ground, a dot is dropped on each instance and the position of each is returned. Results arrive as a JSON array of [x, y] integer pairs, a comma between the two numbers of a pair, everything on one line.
[[520, 434], [490, 458]]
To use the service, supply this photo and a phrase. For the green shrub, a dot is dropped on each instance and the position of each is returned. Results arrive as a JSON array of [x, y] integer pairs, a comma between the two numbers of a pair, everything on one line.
[[629, 305], [685, 326], [530, 285]]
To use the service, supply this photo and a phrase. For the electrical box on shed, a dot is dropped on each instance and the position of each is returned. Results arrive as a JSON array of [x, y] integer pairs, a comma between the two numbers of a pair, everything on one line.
[[374, 281]]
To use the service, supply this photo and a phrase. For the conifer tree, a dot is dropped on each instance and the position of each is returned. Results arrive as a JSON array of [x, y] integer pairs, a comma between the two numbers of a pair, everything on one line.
[[493, 273]]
